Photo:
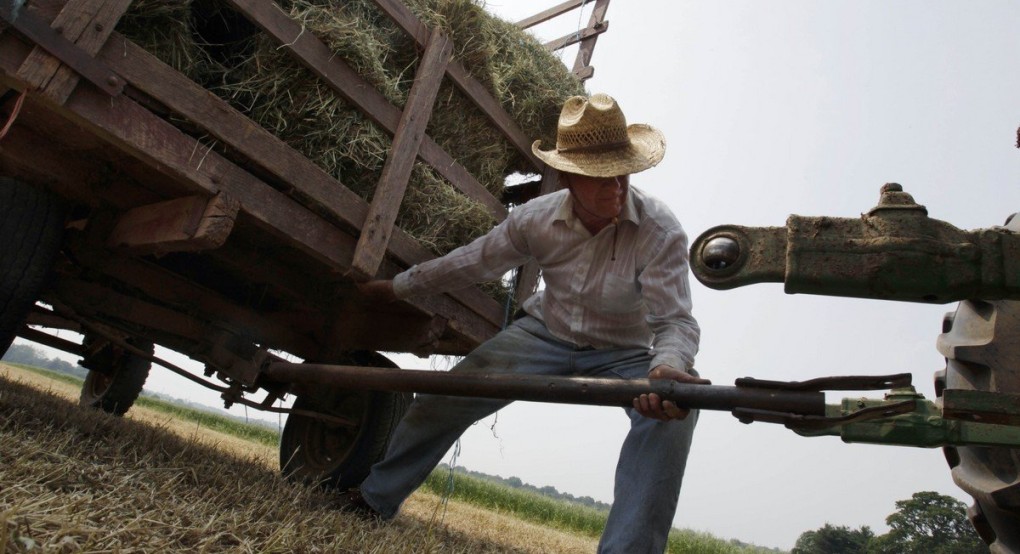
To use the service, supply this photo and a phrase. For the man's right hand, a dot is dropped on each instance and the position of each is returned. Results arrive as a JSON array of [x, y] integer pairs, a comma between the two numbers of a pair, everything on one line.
[[650, 405], [378, 289]]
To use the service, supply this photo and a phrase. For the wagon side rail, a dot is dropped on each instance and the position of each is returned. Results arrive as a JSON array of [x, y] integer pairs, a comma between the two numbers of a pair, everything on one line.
[[138, 132], [289, 180]]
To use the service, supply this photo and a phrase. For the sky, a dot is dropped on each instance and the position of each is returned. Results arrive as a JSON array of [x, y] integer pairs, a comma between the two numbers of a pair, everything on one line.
[[771, 109]]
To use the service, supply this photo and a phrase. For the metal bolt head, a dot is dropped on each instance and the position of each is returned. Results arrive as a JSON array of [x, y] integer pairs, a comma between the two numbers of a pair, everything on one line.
[[720, 253]]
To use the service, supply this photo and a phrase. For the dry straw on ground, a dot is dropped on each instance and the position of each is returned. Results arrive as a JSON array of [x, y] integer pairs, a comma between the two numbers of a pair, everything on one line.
[[79, 480], [222, 51]]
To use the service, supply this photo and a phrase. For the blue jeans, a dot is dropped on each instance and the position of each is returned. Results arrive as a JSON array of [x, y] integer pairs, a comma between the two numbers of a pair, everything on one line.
[[651, 464]]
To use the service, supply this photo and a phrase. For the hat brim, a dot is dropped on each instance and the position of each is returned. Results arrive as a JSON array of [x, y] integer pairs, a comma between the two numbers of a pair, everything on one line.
[[645, 148]]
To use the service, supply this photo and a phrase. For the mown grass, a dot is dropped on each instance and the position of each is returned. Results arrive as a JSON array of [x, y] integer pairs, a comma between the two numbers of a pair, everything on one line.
[[216, 422], [522, 504]]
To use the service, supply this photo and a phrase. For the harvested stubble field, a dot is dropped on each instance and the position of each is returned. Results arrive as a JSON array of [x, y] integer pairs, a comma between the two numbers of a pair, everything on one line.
[[78, 480]]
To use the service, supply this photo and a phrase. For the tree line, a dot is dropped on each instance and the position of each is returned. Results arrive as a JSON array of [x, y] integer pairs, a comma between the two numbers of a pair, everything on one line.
[[927, 523], [517, 483], [27, 355]]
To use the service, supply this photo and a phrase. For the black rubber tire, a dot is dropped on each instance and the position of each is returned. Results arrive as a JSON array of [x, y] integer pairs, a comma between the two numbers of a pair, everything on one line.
[[337, 457], [115, 377], [981, 342], [32, 227]]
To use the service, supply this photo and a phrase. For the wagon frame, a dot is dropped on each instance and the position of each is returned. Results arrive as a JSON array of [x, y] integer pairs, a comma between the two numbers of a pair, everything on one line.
[[233, 254]]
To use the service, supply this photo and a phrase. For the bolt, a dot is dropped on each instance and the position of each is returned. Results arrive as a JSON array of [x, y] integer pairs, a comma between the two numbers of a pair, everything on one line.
[[720, 252]]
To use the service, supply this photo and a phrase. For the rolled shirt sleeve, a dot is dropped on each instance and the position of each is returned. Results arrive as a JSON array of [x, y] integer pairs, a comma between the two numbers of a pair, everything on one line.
[[484, 259], [665, 287]]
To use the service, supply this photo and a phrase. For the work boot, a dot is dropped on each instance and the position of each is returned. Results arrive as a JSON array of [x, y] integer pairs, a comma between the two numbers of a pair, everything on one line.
[[352, 502]]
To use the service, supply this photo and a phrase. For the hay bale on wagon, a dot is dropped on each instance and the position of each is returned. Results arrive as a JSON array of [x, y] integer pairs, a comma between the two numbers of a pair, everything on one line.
[[221, 51]]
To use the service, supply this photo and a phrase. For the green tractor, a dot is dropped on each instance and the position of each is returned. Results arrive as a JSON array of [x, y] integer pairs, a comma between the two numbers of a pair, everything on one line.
[[896, 252]]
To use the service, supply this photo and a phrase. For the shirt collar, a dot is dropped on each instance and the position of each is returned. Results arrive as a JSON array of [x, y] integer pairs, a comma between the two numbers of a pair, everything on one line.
[[565, 211]]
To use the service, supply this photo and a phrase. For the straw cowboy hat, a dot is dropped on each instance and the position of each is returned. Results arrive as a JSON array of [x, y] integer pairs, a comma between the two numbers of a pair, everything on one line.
[[593, 139]]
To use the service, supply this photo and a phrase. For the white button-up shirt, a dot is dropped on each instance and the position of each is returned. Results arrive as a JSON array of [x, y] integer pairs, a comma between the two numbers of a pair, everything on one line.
[[640, 299]]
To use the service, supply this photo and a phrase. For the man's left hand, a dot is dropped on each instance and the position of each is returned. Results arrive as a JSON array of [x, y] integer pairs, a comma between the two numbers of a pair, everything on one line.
[[650, 405]]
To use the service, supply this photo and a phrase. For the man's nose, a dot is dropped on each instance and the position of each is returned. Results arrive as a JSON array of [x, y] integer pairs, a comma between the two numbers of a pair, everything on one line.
[[613, 182]]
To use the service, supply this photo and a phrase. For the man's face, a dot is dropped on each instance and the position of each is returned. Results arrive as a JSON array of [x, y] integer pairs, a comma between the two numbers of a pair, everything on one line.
[[602, 197]]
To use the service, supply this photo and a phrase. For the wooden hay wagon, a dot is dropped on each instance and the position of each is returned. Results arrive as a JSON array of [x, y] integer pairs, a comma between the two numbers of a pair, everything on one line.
[[139, 209]]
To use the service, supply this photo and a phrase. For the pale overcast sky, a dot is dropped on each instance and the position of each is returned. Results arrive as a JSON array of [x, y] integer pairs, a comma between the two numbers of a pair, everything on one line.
[[772, 108]]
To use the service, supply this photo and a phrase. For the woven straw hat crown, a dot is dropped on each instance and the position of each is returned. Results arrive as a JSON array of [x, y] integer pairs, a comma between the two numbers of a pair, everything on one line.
[[593, 138]]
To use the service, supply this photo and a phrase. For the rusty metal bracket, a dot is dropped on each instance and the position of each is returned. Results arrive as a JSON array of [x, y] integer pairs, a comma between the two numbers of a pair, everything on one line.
[[849, 382], [39, 32], [981, 406], [893, 252], [805, 423]]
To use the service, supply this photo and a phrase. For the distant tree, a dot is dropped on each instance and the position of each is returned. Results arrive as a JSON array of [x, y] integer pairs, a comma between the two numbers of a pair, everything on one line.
[[929, 523], [29, 355], [834, 540]]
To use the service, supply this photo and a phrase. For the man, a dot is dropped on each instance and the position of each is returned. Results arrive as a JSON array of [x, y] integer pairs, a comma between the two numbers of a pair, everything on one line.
[[616, 304]]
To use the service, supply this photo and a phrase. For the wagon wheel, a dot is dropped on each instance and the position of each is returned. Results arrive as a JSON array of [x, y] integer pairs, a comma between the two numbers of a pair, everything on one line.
[[334, 455], [31, 227], [115, 377], [982, 345]]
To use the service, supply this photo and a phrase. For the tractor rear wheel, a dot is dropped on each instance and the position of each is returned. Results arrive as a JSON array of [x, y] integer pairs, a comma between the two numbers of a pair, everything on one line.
[[981, 344]]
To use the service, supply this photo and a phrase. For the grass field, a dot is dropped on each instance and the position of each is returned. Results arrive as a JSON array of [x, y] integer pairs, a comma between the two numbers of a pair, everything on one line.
[[168, 478]]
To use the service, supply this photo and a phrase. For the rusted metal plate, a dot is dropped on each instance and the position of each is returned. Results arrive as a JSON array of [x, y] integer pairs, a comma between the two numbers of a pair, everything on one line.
[[981, 406]]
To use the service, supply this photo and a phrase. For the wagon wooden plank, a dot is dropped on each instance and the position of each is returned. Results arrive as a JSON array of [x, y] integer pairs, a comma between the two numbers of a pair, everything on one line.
[[187, 224], [52, 341], [405, 18], [389, 193], [90, 300], [176, 291], [87, 23], [171, 88], [550, 13], [40, 66], [478, 94], [136, 132], [574, 38], [419, 337], [585, 74], [317, 57], [596, 21], [222, 121]]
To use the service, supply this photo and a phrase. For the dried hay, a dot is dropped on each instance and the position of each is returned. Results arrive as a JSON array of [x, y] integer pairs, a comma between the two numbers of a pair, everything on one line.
[[220, 50], [79, 480]]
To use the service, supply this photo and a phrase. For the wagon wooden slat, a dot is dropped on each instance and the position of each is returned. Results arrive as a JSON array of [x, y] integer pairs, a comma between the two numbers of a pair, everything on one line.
[[316, 56], [389, 194], [400, 14], [87, 23]]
